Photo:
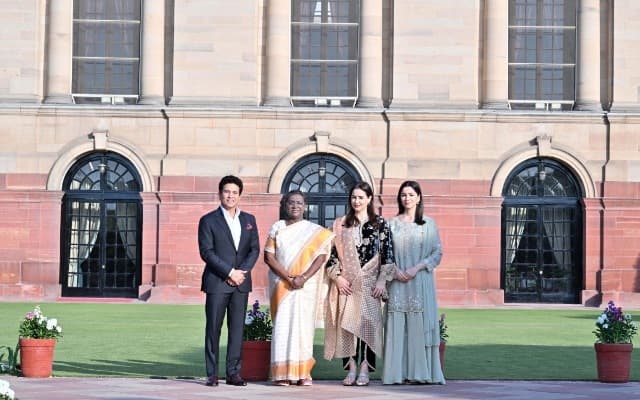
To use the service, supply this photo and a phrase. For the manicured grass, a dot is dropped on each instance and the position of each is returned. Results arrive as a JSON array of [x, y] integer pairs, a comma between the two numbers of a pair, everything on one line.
[[143, 340]]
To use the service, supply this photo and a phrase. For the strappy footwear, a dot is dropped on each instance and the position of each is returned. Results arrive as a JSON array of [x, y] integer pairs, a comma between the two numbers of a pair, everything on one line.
[[363, 379], [350, 379], [305, 382]]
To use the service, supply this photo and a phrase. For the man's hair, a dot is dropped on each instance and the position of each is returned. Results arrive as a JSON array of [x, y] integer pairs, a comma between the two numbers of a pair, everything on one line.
[[230, 179]]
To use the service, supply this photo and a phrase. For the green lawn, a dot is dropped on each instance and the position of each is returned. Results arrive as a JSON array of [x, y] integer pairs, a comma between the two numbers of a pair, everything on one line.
[[143, 340]]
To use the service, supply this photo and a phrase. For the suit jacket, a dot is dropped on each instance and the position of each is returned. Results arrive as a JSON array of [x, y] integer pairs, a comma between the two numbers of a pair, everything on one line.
[[219, 253]]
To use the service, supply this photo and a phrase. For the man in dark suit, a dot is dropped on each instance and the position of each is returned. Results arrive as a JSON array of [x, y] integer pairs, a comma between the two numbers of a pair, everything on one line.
[[229, 245]]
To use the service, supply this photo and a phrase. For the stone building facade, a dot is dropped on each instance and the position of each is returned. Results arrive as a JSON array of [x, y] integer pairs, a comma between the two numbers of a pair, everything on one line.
[[519, 118]]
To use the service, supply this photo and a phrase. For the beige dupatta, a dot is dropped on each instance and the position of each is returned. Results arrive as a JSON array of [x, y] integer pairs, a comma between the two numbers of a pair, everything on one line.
[[358, 315]]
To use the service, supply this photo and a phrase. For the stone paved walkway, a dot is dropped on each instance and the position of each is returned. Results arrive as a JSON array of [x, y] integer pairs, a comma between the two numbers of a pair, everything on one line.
[[171, 389]]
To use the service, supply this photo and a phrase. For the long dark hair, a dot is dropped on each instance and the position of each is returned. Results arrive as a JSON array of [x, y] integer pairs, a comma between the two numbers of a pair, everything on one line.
[[351, 220], [285, 198], [418, 218]]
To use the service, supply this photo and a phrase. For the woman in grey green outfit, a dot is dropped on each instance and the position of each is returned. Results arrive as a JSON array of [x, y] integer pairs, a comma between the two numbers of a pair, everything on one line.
[[412, 333]]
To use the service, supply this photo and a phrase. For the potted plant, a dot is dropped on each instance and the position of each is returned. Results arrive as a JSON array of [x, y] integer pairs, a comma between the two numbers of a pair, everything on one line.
[[256, 345], [38, 336], [614, 332], [443, 339]]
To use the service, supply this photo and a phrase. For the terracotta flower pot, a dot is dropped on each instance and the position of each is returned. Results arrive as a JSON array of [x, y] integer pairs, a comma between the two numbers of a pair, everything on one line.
[[256, 360], [614, 362], [36, 357]]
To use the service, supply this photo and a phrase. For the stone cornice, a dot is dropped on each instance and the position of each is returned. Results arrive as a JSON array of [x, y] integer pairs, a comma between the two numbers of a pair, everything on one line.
[[299, 113], [265, 112], [624, 117], [496, 116], [75, 110], [155, 111]]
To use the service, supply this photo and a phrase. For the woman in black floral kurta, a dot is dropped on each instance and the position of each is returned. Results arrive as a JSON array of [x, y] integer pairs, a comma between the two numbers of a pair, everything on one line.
[[360, 264]]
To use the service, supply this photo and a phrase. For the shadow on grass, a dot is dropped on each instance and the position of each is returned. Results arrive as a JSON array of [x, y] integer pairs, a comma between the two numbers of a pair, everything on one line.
[[518, 362], [188, 364]]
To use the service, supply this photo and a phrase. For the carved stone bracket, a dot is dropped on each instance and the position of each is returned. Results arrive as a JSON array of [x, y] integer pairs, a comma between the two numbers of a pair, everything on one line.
[[544, 145], [322, 141], [100, 139]]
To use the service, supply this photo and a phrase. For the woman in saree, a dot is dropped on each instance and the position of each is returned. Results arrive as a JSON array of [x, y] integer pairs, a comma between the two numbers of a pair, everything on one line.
[[412, 331], [296, 250], [360, 264]]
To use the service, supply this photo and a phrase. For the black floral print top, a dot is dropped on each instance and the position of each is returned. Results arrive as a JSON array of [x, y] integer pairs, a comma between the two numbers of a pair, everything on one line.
[[368, 241]]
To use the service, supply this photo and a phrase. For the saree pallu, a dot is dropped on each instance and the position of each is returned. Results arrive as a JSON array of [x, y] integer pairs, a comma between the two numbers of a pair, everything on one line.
[[295, 246]]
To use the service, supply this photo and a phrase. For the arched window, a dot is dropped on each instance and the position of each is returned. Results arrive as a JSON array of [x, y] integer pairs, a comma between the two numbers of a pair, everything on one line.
[[101, 223], [326, 180], [542, 228]]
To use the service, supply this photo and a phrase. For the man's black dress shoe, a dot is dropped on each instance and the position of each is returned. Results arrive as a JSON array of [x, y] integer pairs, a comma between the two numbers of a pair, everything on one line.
[[212, 381], [236, 380]]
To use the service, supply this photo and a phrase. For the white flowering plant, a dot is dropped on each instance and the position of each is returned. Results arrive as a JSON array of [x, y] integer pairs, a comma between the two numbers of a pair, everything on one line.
[[36, 325], [614, 326], [5, 391], [257, 324]]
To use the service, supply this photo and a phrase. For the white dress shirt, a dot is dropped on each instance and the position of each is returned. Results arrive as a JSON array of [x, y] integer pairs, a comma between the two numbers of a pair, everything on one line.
[[234, 225]]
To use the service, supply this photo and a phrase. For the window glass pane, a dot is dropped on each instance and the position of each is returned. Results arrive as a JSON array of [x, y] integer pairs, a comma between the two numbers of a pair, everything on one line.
[[558, 13], [342, 42], [541, 82], [106, 9], [324, 79], [124, 77], [90, 9], [105, 76], [305, 79], [89, 40], [522, 45], [125, 9], [522, 12], [340, 80], [324, 42], [306, 42], [325, 11], [305, 10], [342, 11], [112, 39], [542, 12], [124, 39], [89, 76], [555, 46], [555, 81]]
